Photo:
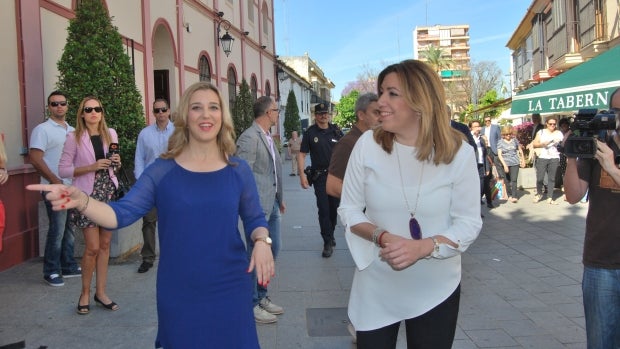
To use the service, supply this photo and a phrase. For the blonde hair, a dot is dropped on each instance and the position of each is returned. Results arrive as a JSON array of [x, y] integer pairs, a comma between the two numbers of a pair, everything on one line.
[[424, 93], [180, 137], [506, 130], [102, 128]]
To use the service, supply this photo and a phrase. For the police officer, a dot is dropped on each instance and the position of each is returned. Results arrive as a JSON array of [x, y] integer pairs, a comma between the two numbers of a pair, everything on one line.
[[319, 140]]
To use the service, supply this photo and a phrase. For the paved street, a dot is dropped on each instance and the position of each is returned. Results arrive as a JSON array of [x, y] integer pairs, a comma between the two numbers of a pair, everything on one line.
[[520, 288]]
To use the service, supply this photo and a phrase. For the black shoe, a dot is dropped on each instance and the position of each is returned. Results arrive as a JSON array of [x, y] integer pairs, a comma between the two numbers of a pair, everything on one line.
[[110, 306], [144, 267], [490, 205], [292, 174], [328, 249]]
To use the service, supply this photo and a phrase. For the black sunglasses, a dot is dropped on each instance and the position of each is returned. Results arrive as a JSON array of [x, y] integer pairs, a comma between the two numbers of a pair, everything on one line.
[[160, 110], [414, 229], [55, 104], [90, 109]]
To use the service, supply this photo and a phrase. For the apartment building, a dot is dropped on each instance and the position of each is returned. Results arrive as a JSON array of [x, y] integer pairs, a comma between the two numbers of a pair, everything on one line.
[[171, 43], [565, 55], [309, 70], [452, 41]]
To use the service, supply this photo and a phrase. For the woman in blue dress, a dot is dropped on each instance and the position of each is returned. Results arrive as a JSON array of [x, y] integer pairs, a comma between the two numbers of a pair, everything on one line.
[[200, 191]]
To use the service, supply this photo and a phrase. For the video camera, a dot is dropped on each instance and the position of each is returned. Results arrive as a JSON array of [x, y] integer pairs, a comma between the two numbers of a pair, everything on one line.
[[588, 126]]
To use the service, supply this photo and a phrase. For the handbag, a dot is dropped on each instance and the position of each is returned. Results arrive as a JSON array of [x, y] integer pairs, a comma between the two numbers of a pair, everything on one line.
[[124, 184], [494, 188]]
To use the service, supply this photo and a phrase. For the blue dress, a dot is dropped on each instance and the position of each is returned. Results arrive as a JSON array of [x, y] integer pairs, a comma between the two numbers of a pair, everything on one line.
[[204, 292]]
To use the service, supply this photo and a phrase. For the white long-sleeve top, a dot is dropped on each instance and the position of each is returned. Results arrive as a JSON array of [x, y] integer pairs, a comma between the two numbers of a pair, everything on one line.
[[449, 204]]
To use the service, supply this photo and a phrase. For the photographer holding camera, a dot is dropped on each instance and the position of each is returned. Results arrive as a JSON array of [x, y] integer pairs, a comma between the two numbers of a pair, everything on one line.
[[600, 177]]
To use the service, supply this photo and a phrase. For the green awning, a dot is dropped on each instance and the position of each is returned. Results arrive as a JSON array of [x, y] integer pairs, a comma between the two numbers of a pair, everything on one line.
[[587, 85]]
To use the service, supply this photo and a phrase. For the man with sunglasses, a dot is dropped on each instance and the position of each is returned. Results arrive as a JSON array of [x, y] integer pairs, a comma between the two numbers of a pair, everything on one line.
[[152, 142], [46, 144], [319, 140]]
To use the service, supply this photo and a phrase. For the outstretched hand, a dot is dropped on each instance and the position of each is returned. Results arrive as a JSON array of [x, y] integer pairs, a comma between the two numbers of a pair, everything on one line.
[[62, 197]]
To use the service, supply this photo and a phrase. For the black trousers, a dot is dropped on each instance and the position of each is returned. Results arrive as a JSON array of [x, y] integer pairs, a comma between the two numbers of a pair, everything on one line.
[[485, 183], [328, 208], [434, 329]]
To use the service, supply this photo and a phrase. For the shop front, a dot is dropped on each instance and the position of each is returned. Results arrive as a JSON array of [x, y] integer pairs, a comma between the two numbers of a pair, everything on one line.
[[588, 85]]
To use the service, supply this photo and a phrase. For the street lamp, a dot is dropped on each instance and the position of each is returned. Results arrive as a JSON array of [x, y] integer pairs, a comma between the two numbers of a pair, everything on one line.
[[226, 39]]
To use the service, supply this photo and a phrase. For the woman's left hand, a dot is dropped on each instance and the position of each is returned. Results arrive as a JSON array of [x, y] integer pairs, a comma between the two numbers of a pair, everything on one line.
[[262, 260], [401, 253]]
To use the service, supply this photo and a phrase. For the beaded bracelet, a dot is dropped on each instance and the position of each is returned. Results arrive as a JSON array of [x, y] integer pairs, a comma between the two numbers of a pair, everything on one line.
[[85, 206], [375, 235]]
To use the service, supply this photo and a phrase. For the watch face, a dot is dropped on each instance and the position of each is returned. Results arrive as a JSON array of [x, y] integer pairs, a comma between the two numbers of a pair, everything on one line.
[[268, 240]]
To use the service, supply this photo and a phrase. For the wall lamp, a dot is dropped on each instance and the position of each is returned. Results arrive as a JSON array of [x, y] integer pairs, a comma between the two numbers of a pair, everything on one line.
[[226, 40], [281, 75]]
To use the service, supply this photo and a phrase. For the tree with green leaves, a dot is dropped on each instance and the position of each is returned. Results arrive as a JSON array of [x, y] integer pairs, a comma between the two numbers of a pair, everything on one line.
[[94, 63], [434, 56], [243, 109], [292, 122], [345, 117]]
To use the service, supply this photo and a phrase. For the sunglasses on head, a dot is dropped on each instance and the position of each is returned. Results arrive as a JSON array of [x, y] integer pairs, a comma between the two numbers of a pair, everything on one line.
[[90, 109], [55, 104], [160, 110], [414, 229]]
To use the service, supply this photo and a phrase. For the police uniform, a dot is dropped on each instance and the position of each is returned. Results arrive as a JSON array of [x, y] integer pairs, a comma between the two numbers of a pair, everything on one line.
[[319, 143]]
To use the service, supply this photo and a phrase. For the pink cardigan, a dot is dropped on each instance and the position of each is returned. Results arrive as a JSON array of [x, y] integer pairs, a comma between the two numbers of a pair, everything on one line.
[[84, 155]]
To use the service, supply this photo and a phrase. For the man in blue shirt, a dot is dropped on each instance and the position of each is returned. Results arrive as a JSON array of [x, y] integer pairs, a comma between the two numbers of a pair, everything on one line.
[[152, 142]]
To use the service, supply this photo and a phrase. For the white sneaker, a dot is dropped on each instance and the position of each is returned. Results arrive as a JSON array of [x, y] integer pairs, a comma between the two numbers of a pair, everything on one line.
[[262, 316], [271, 307]]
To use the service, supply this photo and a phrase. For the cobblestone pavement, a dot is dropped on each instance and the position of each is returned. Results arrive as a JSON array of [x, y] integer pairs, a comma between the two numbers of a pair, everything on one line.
[[520, 288]]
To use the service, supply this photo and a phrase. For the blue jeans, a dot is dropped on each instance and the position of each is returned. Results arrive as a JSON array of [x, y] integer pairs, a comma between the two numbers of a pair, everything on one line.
[[601, 304], [273, 221], [58, 257]]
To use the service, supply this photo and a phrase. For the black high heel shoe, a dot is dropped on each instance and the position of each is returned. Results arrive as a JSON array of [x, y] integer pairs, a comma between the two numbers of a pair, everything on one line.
[[110, 306], [83, 309]]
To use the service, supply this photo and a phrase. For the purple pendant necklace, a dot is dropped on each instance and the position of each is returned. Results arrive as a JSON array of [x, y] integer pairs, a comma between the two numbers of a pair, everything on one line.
[[414, 227]]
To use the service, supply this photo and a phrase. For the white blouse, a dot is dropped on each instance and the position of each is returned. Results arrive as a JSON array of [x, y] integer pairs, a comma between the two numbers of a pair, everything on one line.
[[551, 150], [449, 204]]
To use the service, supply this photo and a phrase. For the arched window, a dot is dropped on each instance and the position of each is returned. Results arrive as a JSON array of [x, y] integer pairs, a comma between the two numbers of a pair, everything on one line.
[[205, 70], [232, 87], [267, 89], [254, 88]]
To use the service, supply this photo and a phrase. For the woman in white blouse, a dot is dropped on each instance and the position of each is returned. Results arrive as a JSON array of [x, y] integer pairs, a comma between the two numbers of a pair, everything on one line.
[[548, 161], [410, 203]]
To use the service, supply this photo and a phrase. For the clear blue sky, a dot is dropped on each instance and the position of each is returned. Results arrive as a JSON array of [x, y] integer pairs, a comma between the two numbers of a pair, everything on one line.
[[346, 38]]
